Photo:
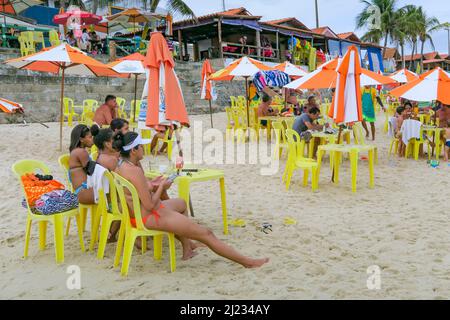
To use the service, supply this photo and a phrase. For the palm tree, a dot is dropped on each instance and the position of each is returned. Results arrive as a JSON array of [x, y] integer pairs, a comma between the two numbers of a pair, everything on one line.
[[387, 18], [427, 25], [174, 7], [405, 27]]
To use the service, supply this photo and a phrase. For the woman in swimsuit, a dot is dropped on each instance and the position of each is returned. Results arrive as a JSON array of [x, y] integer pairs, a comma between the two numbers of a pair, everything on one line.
[[157, 216], [80, 139], [109, 158]]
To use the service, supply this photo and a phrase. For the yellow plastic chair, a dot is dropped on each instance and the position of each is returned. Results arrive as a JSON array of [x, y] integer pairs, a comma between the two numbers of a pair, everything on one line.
[[393, 146], [89, 106], [233, 101], [83, 208], [33, 166], [168, 140], [69, 110], [108, 215], [297, 161], [129, 233], [413, 147], [121, 103], [147, 134], [280, 141], [229, 121], [26, 45], [53, 38], [136, 108], [239, 124], [361, 141], [38, 38], [288, 122]]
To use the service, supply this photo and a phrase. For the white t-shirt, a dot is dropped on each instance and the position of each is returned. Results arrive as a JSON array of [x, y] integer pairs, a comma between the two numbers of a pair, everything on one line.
[[85, 37]]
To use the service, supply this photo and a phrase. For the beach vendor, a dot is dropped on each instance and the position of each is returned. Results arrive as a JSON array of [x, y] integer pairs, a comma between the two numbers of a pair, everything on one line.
[[106, 112], [369, 99], [157, 216]]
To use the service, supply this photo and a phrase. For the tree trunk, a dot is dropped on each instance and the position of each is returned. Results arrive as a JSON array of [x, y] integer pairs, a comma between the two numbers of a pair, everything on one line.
[[94, 6], [421, 56], [385, 44], [402, 47], [411, 62]]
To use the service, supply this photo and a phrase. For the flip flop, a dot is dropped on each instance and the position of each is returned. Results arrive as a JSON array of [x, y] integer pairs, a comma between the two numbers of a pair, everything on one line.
[[238, 223], [288, 221], [364, 158]]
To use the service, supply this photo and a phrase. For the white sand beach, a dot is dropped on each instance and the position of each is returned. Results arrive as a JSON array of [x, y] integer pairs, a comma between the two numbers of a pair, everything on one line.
[[402, 226]]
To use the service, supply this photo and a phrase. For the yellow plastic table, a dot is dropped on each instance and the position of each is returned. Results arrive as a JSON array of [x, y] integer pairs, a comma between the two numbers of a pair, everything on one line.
[[336, 151], [327, 138], [184, 181]]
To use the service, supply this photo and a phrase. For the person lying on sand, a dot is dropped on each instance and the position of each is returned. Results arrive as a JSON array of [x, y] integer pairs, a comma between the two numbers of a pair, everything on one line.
[[156, 215]]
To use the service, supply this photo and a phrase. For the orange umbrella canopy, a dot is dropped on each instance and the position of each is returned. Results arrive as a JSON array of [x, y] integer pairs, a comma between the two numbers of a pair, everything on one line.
[[207, 70], [347, 105], [432, 85], [243, 67], [132, 15], [165, 99]]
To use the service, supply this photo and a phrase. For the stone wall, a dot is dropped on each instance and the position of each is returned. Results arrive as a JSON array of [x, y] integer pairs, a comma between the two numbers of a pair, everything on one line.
[[40, 92]]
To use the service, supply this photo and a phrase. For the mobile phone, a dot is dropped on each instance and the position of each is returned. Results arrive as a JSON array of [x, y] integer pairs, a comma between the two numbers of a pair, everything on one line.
[[172, 177]]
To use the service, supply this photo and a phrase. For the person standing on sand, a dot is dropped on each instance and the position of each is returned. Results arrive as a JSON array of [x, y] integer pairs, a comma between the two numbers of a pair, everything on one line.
[[369, 99]]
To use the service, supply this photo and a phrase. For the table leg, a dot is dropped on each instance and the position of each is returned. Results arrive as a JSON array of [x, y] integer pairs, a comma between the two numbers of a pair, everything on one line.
[[269, 130], [336, 161], [371, 168], [183, 192], [437, 142], [311, 147], [354, 165], [224, 205]]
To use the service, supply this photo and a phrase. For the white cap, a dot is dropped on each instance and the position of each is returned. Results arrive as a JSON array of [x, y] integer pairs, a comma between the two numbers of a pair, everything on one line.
[[138, 141]]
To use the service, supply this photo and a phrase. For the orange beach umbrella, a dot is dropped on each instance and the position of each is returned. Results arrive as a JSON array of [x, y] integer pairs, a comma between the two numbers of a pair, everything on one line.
[[66, 59], [207, 91], [165, 99]]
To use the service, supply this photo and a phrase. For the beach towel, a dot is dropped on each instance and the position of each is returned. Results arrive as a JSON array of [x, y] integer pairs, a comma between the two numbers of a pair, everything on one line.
[[98, 181], [35, 188], [392, 126], [410, 129]]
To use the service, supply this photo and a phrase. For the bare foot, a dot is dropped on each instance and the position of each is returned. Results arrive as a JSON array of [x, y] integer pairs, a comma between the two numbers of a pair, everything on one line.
[[256, 263], [112, 238], [188, 254]]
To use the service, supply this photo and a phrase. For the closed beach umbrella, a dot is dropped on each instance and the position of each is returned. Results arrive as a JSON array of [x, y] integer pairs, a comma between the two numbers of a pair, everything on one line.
[[132, 64], [291, 69], [325, 77], [8, 106], [432, 85], [207, 91], [66, 59], [404, 76], [165, 99], [346, 106], [242, 68]]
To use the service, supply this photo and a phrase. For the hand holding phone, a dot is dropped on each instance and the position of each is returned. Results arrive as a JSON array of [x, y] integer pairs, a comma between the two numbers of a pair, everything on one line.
[[172, 177]]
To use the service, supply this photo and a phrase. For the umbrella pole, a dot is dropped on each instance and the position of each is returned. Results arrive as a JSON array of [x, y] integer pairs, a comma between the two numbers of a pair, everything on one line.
[[133, 117], [61, 114], [210, 112], [248, 111], [338, 142]]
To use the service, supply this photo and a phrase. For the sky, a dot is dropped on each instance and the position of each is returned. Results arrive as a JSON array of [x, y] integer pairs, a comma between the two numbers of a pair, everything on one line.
[[339, 15]]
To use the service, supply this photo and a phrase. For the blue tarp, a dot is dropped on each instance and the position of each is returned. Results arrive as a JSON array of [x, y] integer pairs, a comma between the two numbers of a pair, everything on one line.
[[43, 15], [252, 24], [375, 59]]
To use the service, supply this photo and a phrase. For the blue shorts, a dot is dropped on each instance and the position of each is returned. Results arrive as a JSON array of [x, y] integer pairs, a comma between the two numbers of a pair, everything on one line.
[[448, 143]]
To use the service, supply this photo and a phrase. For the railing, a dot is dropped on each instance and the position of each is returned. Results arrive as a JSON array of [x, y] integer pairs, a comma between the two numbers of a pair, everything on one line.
[[260, 53], [7, 37]]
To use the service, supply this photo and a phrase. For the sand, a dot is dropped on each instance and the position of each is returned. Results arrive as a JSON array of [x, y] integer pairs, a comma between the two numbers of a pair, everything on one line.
[[402, 226]]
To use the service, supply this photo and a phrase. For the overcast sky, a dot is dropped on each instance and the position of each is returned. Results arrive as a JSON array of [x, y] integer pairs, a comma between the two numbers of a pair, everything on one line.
[[339, 15]]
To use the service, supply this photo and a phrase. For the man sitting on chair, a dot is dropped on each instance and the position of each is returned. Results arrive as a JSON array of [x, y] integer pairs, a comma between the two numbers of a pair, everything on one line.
[[106, 112]]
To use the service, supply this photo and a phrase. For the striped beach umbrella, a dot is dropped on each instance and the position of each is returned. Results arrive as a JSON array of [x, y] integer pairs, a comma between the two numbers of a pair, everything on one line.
[[291, 69], [325, 77], [65, 59], [8, 106], [208, 90], [430, 86], [165, 98], [347, 106], [404, 76]]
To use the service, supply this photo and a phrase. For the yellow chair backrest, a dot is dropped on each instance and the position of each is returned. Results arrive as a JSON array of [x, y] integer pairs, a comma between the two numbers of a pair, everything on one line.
[[38, 37], [136, 106], [229, 116], [358, 134], [53, 38], [121, 103], [112, 194], [289, 122], [279, 131], [122, 184], [233, 101], [90, 105], [68, 105], [64, 165], [296, 146]]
